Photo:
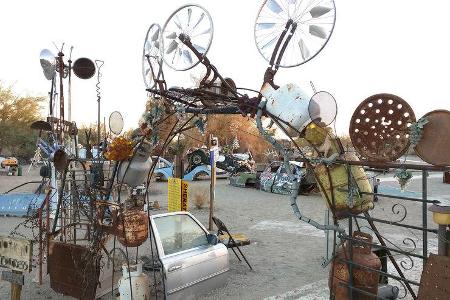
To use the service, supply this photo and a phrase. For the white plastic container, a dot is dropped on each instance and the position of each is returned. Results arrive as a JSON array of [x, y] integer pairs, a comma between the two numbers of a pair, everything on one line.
[[140, 283], [138, 169], [289, 103]]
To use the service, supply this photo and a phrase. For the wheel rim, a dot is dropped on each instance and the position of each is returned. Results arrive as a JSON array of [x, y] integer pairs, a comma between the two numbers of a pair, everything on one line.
[[151, 48], [315, 23], [196, 23]]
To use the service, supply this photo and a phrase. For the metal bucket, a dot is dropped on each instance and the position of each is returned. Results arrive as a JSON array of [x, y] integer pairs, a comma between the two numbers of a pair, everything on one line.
[[333, 183]]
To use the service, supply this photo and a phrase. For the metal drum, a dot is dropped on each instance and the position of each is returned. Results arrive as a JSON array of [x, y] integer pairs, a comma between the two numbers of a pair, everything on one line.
[[334, 182], [363, 279], [132, 227]]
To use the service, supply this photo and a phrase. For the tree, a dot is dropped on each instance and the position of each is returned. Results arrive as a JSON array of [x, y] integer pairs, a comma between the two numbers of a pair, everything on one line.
[[16, 115]]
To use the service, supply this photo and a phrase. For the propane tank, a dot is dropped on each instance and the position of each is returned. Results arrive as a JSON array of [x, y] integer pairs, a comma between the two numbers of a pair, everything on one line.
[[140, 283], [363, 278], [137, 169]]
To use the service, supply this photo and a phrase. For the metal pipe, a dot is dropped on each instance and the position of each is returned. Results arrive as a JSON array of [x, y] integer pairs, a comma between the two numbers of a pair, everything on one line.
[[424, 216], [294, 191]]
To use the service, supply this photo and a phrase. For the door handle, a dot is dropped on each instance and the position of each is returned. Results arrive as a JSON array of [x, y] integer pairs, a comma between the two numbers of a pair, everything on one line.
[[174, 268]]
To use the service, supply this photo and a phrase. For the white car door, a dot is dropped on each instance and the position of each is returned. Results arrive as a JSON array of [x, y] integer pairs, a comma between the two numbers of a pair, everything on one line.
[[192, 265]]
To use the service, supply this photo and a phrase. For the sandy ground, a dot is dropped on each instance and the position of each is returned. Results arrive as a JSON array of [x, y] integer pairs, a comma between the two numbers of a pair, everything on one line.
[[286, 254]]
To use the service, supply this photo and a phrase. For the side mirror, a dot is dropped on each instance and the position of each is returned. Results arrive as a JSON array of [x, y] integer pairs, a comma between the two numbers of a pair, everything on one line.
[[212, 239]]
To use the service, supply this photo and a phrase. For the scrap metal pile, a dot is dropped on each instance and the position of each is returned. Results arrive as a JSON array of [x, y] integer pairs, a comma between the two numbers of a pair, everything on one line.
[[85, 211]]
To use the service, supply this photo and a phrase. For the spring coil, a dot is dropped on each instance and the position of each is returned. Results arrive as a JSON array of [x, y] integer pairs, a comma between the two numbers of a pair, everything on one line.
[[98, 64]]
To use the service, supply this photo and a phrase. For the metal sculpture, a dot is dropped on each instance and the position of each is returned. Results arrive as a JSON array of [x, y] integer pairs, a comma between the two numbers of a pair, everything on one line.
[[288, 33]]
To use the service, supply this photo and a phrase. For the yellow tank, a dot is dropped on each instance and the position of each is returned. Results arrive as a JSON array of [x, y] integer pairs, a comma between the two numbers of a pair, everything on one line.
[[339, 181], [327, 145]]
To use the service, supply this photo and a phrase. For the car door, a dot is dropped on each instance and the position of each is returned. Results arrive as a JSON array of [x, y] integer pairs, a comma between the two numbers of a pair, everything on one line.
[[191, 264]]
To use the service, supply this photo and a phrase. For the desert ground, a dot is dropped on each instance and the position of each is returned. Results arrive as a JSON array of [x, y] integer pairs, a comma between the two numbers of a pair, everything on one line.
[[286, 254]]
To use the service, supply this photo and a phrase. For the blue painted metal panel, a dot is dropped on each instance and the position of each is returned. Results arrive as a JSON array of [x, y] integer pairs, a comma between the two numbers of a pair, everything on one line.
[[20, 204]]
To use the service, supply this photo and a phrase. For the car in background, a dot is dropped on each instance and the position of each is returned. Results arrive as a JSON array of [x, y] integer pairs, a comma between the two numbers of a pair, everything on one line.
[[9, 162], [192, 259], [232, 163], [274, 178], [165, 169]]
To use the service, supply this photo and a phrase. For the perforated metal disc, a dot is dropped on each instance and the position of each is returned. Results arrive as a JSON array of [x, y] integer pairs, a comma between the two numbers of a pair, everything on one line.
[[193, 21], [116, 122], [315, 23], [434, 146], [322, 108], [379, 128], [151, 56]]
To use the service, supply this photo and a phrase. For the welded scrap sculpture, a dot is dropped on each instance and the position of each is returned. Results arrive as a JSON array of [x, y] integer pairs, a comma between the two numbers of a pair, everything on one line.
[[287, 34]]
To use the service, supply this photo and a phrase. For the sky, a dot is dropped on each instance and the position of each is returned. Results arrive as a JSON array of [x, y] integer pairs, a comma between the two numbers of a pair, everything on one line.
[[399, 47]]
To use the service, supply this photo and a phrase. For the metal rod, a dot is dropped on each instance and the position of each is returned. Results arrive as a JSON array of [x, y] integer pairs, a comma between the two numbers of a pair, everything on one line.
[[393, 223], [351, 262], [424, 216], [383, 247], [396, 197], [350, 265], [391, 258]]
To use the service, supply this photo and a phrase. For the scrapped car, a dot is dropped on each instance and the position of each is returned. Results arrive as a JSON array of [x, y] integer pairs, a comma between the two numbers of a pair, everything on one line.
[[193, 261], [232, 163], [275, 179], [164, 170]]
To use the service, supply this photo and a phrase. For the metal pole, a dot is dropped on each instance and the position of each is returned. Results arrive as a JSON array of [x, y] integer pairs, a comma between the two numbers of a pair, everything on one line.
[[442, 242], [424, 216], [212, 184]]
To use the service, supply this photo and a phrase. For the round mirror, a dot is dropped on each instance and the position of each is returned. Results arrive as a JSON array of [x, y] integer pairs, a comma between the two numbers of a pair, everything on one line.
[[322, 109], [48, 63], [84, 68], [116, 122]]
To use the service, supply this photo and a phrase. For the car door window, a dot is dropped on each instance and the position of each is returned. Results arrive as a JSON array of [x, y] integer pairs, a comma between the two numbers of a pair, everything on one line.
[[179, 233]]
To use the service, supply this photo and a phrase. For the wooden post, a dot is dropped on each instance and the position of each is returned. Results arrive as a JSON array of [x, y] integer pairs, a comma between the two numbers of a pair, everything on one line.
[[16, 289]]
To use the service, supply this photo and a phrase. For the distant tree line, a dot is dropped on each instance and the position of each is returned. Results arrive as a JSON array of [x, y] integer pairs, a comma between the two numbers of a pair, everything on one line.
[[16, 115]]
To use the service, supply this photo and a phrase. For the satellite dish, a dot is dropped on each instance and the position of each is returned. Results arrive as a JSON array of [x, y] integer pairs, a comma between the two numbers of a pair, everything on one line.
[[151, 56], [322, 109], [194, 22], [48, 63], [116, 122], [315, 23], [84, 68]]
